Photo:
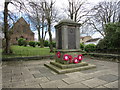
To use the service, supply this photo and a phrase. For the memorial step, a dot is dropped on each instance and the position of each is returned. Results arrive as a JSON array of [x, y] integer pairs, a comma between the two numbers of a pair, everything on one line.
[[68, 70], [65, 66]]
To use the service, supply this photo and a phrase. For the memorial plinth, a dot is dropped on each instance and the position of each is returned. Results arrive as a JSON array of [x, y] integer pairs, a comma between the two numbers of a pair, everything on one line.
[[68, 54]]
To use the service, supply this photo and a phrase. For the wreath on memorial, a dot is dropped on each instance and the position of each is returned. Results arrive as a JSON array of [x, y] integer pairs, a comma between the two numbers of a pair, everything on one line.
[[70, 59], [66, 57], [75, 60], [58, 54], [80, 57]]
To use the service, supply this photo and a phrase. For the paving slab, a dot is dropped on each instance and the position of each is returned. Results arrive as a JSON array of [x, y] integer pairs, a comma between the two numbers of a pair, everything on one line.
[[53, 84], [7, 79], [31, 86], [101, 86], [34, 68], [0, 86], [36, 81], [38, 75], [75, 85], [98, 67], [57, 77], [48, 74], [7, 85], [18, 84], [34, 72], [17, 78], [44, 70], [112, 85], [0, 76], [28, 76], [50, 89], [75, 79], [94, 82], [99, 73], [75, 74], [108, 78]]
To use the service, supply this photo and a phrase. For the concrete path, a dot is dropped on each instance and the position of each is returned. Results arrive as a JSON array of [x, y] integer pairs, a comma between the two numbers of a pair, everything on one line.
[[33, 74]]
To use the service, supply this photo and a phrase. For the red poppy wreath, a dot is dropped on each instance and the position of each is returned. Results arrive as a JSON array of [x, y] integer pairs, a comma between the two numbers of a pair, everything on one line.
[[58, 54], [66, 57]]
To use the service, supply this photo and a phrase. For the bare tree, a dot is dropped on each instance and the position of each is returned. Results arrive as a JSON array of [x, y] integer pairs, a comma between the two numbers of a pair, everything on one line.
[[76, 10], [19, 4], [7, 43], [103, 13], [37, 18], [50, 15]]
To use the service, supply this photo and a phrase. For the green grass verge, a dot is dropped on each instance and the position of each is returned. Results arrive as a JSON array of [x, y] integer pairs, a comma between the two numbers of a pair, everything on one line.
[[21, 51]]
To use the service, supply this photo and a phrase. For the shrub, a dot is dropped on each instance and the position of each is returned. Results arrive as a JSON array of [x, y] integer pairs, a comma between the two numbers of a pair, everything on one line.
[[54, 44], [46, 43], [82, 46], [90, 47], [38, 43], [22, 42], [32, 43], [112, 37], [25, 43]]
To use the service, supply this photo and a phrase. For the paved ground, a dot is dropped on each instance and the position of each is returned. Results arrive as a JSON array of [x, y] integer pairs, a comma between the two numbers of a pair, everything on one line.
[[33, 74], [0, 76]]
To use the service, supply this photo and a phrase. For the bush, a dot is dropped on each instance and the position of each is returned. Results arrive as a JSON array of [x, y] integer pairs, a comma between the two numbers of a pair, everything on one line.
[[90, 47], [38, 43], [32, 43], [54, 44], [46, 43], [25, 43], [82, 46], [112, 37], [22, 42]]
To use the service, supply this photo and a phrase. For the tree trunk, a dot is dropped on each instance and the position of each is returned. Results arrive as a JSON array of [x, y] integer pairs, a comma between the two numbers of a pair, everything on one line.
[[42, 42], [119, 17], [50, 35], [6, 32], [38, 28], [75, 17]]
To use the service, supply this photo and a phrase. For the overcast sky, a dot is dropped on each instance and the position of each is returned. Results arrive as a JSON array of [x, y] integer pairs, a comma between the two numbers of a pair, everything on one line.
[[59, 4]]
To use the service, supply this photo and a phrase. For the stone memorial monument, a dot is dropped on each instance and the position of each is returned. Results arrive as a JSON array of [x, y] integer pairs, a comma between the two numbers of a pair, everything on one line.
[[68, 54]]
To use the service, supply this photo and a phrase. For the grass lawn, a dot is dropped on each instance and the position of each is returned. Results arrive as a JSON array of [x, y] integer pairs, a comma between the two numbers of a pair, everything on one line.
[[21, 51]]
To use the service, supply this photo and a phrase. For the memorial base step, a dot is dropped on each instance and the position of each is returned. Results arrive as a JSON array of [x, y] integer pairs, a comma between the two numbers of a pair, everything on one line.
[[67, 68]]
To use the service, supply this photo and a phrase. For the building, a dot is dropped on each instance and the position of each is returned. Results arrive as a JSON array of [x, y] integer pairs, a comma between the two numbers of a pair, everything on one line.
[[21, 29], [85, 38], [92, 41]]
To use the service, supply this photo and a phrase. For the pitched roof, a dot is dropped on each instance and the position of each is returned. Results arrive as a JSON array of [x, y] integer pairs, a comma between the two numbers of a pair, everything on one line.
[[93, 40], [21, 19], [85, 37]]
